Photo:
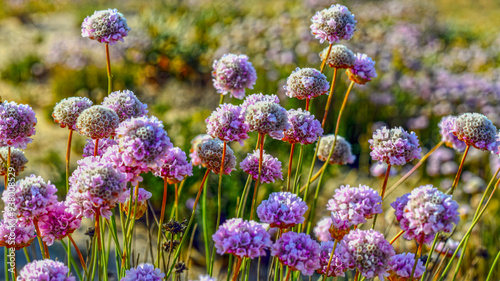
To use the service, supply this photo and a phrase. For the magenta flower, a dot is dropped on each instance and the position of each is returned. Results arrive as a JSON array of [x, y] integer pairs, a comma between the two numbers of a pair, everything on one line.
[[340, 262], [395, 146], [66, 111], [333, 24], [17, 160], [322, 229], [306, 83], [143, 272], [227, 123], [58, 223], [102, 146], [175, 166], [304, 128], [125, 104], [282, 210], [267, 117], [195, 147], [342, 153], [45, 270], [363, 70], [401, 266], [255, 98], [446, 128], [271, 167], [113, 156], [142, 203], [17, 124], [97, 122], [298, 251], [23, 235], [210, 154], [106, 26], [477, 130], [232, 74]]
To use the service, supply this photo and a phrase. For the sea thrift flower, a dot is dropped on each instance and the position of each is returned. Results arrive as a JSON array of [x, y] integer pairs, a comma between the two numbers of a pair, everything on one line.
[[401, 266], [267, 117], [23, 235], [380, 169], [205, 278], [227, 123], [45, 270], [195, 147], [242, 239], [333, 24], [427, 211], [298, 251], [175, 166], [17, 124], [394, 146], [340, 57], [322, 229], [105, 26], [210, 153], [363, 70], [143, 272], [66, 111], [125, 104], [446, 126], [448, 248], [142, 203], [282, 210], [304, 128], [477, 130], [58, 223], [102, 146], [340, 261], [114, 156], [370, 252], [17, 160], [97, 122], [306, 83], [255, 98], [342, 153], [271, 167], [232, 74]]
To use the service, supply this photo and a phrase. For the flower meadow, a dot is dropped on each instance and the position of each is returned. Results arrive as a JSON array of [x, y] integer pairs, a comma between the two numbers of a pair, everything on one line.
[[272, 186]]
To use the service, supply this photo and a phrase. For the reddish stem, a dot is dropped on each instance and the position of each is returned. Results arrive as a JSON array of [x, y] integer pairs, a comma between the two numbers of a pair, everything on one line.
[[96, 147], [82, 261]]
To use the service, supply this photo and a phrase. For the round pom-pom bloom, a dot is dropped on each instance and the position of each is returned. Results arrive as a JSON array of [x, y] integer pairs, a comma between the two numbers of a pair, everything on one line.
[[271, 167], [17, 124], [340, 57], [13, 235], [446, 126], [45, 270], [255, 98], [342, 153], [175, 166], [363, 70], [370, 253], [113, 156], [267, 117], [210, 154], [195, 148], [282, 210], [340, 261], [95, 188], [298, 251], [125, 104], [227, 123], [401, 266], [333, 24], [143, 272], [304, 128], [322, 229], [142, 203], [394, 146], [306, 83], [477, 130], [232, 74], [242, 239], [58, 223], [66, 111], [427, 211], [102, 146], [17, 160], [97, 122], [105, 26]]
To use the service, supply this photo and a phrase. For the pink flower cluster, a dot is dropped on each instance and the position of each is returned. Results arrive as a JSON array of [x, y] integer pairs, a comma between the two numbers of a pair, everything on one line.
[[227, 123], [143, 272], [45, 270], [232, 74], [306, 83], [175, 166], [401, 266], [282, 210], [477, 130], [333, 24], [66, 111], [17, 124], [341, 260], [106, 26], [394, 146], [304, 128], [363, 70], [58, 223], [446, 128], [298, 251], [271, 167], [102, 146], [125, 104]]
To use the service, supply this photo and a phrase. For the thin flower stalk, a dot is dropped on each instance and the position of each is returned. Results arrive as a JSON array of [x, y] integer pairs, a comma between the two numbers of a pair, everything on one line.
[[323, 63], [68, 155], [330, 96], [382, 190], [289, 174], [459, 172], [108, 69], [162, 215], [331, 258], [255, 192]]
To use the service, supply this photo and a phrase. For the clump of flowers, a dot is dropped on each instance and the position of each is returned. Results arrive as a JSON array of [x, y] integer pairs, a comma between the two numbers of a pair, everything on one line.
[[267, 117], [333, 24], [97, 122], [102, 146], [363, 70], [143, 272], [282, 210], [304, 128], [322, 229], [17, 124], [227, 123], [446, 128], [394, 146], [24, 234], [340, 261], [271, 167], [210, 154], [340, 57], [196, 142], [255, 98], [45, 270], [477, 130], [298, 251], [58, 223], [342, 153], [306, 83], [125, 104], [142, 203], [113, 156], [232, 74], [175, 166], [17, 160], [66, 111], [401, 266], [106, 26]]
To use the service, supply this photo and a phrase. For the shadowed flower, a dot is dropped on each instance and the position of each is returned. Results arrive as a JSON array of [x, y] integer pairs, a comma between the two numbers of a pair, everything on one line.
[[394, 146], [322, 229], [401, 266], [448, 248], [143, 272], [17, 160], [227, 123], [142, 203], [446, 126], [17, 124], [304, 128], [342, 153], [267, 117], [210, 154], [45, 270], [333, 24], [66, 111], [340, 261], [125, 104], [477, 130], [106, 26], [57, 223], [196, 142], [282, 210], [97, 122], [232, 74], [103, 145], [271, 167], [340, 57], [298, 251], [363, 70], [175, 166], [306, 83]]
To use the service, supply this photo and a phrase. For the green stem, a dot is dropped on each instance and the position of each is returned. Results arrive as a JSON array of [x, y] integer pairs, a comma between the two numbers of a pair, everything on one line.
[[298, 171], [330, 97], [289, 175], [429, 256], [493, 266], [5, 264], [256, 190], [68, 156], [417, 254], [205, 228], [159, 253], [221, 101], [331, 258], [73, 263], [459, 172]]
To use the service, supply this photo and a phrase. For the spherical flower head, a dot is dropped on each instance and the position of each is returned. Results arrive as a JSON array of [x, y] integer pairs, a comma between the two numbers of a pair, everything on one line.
[[142, 203], [322, 229], [195, 147], [58, 223], [102, 146], [175, 166], [399, 206], [342, 153], [66, 111], [340, 57], [401, 266], [394, 146], [333, 24], [23, 234], [282, 210], [210, 153], [205, 278], [113, 156], [106, 26], [255, 98], [242, 239], [45, 270], [306, 83], [232, 74], [267, 118], [448, 248], [446, 126], [143, 272], [271, 167], [17, 124], [477, 130], [340, 260], [298, 251], [370, 253], [426, 212], [227, 123], [17, 160], [125, 104], [95, 188], [97, 122], [304, 128], [363, 70]]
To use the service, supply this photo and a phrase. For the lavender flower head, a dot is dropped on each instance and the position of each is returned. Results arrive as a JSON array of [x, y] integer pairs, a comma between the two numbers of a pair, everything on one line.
[[106, 26], [333, 24], [448, 248], [143, 272], [232, 74], [66, 111], [340, 262], [195, 147], [370, 253], [205, 278], [210, 153], [322, 229], [401, 266], [378, 169], [142, 203], [227, 123], [267, 117], [17, 160], [340, 57], [97, 122], [298, 251], [306, 83], [363, 70], [125, 104], [23, 235], [114, 156], [304, 128], [242, 239], [175, 166], [477, 130], [446, 126], [45, 270], [102, 146], [58, 223], [17, 124], [282, 210], [271, 167], [255, 98], [394, 146], [342, 153], [425, 212]]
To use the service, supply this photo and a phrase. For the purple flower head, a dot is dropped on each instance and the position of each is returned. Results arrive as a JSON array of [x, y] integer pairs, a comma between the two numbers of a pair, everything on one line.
[[205, 278], [401, 266], [195, 148], [446, 126], [298, 251], [17, 124], [242, 239], [125, 104], [304, 128], [142, 203], [232, 74], [370, 253], [105, 26], [333, 24], [97, 122], [340, 57], [113, 156], [66, 111], [378, 169], [322, 229], [394, 146], [210, 153], [102, 146], [342, 153], [427, 211], [45, 270], [58, 223], [271, 167], [363, 70], [175, 166], [17, 160], [341, 261], [267, 117], [477, 130], [448, 248], [143, 272], [306, 83], [227, 123], [255, 98], [282, 210], [23, 235]]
